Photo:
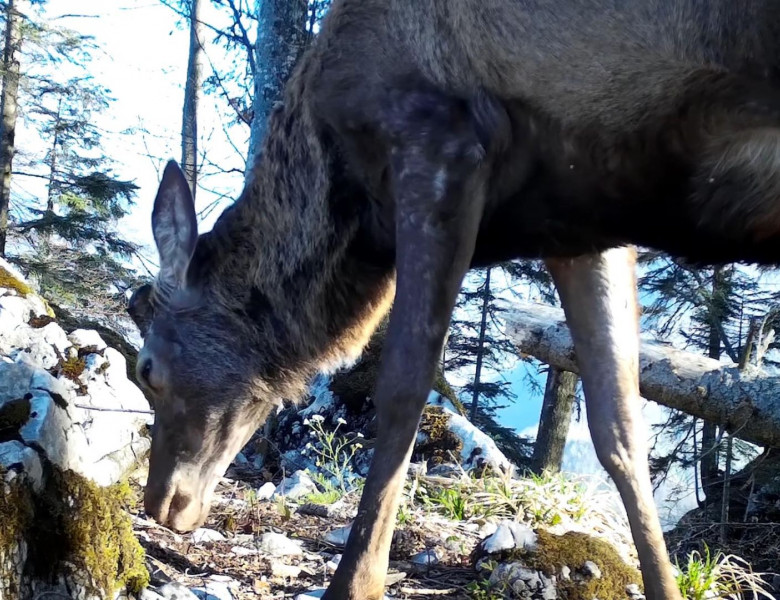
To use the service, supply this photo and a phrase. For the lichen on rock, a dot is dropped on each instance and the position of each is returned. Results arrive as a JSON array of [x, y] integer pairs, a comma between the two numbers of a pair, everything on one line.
[[12, 280]]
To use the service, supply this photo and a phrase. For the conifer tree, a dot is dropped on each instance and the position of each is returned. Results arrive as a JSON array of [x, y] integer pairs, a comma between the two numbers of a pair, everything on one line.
[[65, 233], [710, 309]]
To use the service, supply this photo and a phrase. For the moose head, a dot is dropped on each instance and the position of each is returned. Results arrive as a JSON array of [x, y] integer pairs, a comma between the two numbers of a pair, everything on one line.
[[198, 367]]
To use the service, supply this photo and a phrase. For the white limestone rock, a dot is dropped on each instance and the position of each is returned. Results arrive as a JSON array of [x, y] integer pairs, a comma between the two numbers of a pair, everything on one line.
[[87, 339], [266, 491], [297, 485], [278, 544], [176, 591], [510, 535], [15, 455], [203, 535]]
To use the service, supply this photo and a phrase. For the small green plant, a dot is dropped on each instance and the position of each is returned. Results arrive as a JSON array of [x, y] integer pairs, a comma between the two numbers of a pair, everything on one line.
[[404, 515], [482, 589], [250, 497], [334, 454], [723, 576], [544, 499], [451, 501], [283, 508], [327, 492], [455, 540], [328, 496]]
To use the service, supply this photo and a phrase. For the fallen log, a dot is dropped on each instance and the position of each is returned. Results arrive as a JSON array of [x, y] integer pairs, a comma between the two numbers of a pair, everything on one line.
[[746, 403]]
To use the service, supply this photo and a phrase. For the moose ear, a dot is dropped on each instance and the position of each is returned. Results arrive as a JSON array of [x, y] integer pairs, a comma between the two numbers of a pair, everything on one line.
[[174, 225], [140, 308]]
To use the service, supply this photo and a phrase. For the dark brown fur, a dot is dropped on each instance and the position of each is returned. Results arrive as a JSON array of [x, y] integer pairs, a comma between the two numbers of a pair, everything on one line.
[[417, 139]]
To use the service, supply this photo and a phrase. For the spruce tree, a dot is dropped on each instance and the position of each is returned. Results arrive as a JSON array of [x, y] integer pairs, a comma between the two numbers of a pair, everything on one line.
[[65, 234], [712, 310]]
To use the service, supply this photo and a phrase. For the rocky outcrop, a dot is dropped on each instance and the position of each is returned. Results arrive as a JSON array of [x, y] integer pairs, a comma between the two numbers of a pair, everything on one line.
[[71, 426], [519, 562]]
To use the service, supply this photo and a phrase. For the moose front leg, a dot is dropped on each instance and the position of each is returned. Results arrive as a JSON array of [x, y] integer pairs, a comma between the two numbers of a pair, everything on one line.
[[599, 297], [437, 181]]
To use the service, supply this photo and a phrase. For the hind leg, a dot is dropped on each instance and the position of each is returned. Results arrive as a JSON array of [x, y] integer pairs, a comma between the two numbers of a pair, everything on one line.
[[598, 293]]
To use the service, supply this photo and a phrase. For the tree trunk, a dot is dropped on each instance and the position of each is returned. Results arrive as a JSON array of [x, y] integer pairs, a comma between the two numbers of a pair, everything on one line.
[[709, 444], [192, 93], [725, 500], [709, 458], [11, 48], [281, 39], [480, 346], [53, 162], [554, 420], [746, 403]]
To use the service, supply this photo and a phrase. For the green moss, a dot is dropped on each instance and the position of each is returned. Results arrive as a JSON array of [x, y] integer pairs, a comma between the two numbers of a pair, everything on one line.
[[103, 534], [573, 549], [441, 445], [78, 527], [7, 280], [73, 367], [16, 516]]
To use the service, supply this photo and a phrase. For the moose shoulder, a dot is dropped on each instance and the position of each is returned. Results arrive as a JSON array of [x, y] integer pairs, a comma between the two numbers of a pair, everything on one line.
[[418, 139]]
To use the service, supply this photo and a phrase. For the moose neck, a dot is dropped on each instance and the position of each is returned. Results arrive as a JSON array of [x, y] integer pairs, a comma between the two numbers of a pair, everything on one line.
[[296, 269]]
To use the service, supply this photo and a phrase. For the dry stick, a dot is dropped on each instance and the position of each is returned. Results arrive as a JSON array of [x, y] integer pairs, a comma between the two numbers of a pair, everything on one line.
[[119, 410], [427, 591]]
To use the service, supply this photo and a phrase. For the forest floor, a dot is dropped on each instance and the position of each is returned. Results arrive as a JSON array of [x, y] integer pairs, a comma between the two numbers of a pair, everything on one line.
[[244, 553], [236, 561]]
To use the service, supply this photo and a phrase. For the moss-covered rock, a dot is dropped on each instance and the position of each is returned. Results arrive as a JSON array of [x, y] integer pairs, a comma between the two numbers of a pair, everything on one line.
[[569, 558], [8, 280], [72, 367], [441, 385], [573, 549], [76, 529], [11, 281], [16, 515], [440, 445], [70, 323]]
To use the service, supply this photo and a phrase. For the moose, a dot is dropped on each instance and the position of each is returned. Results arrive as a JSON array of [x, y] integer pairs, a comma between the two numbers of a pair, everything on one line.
[[418, 139]]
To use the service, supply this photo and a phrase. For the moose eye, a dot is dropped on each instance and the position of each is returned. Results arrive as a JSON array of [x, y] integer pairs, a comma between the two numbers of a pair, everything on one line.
[[146, 371]]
